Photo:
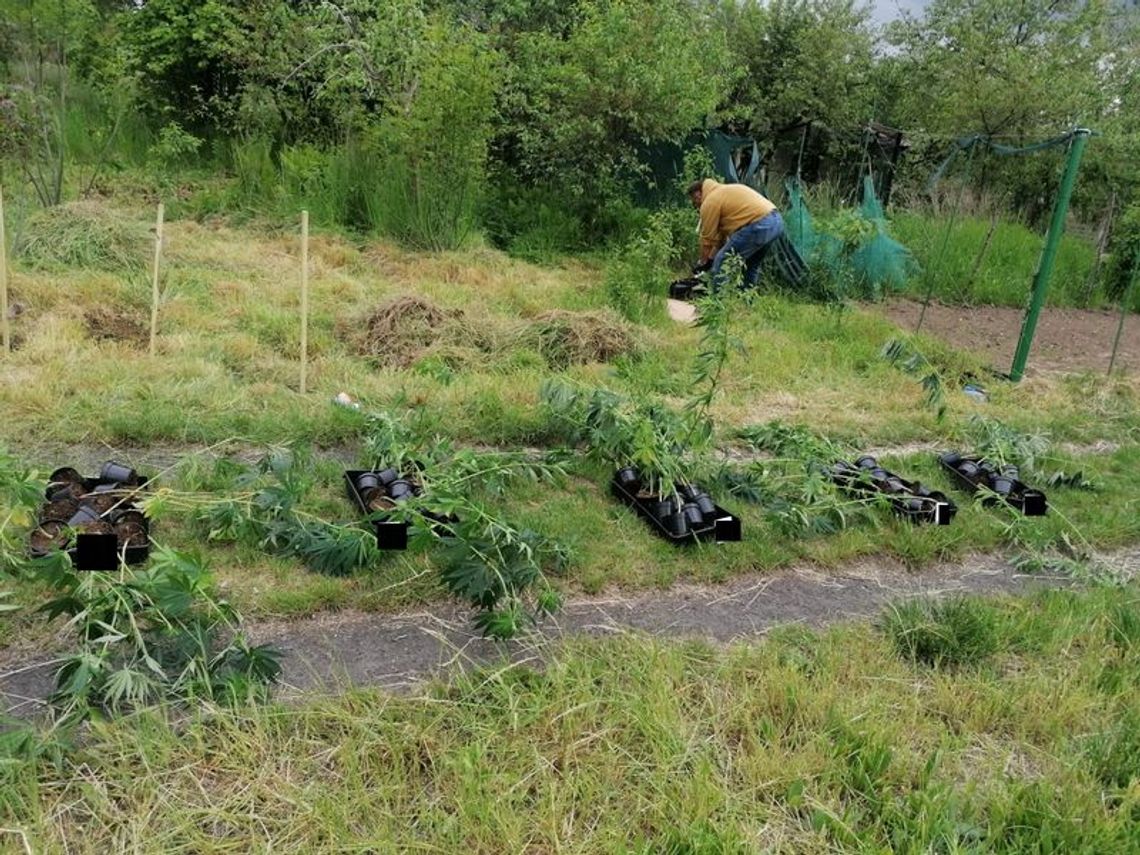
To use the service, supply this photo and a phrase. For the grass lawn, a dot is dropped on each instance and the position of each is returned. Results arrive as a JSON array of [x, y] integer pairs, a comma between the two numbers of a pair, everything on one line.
[[969, 726], [973, 726]]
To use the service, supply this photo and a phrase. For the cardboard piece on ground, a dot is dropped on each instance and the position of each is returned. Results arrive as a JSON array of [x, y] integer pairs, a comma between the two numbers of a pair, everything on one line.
[[685, 313]]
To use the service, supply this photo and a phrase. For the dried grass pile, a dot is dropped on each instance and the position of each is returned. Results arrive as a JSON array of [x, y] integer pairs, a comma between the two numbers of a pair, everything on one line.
[[565, 338]]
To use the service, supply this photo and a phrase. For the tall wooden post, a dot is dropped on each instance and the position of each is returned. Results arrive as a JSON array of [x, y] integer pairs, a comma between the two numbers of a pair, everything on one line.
[[154, 278], [304, 298]]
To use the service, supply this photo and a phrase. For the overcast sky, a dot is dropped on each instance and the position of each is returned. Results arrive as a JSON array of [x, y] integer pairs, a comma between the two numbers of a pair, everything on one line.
[[888, 10]]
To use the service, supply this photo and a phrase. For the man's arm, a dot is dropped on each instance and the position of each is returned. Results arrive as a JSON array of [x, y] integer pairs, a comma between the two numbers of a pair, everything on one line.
[[710, 228]]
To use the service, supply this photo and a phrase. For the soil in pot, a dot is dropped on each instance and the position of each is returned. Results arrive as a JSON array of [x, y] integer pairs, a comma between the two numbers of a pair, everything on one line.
[[101, 502], [62, 508], [95, 527], [130, 529], [49, 536], [380, 502]]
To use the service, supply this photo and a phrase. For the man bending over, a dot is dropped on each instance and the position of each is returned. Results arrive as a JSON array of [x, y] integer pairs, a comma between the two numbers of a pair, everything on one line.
[[734, 219]]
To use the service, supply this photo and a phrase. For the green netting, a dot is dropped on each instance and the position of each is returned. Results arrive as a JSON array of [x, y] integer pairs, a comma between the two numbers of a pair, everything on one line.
[[866, 258], [882, 262]]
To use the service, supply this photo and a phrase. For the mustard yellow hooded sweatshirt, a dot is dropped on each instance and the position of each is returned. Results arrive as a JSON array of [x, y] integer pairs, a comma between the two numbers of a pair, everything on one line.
[[726, 208]]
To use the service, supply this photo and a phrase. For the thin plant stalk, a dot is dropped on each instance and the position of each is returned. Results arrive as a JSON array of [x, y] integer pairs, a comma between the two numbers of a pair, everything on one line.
[[4, 280], [154, 279], [1125, 303]]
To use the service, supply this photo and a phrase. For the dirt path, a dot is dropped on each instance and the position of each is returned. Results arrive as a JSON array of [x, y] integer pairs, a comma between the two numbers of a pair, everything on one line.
[[398, 652], [1068, 340]]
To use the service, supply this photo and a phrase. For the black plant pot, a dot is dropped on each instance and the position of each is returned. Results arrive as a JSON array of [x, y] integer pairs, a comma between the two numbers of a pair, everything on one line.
[[677, 524], [628, 479], [867, 462], [968, 468], [689, 492], [706, 504], [113, 471], [951, 458], [48, 537], [130, 528], [83, 516], [66, 475], [401, 489], [387, 476], [1011, 472], [894, 485], [1001, 486], [367, 481], [693, 514], [664, 508]]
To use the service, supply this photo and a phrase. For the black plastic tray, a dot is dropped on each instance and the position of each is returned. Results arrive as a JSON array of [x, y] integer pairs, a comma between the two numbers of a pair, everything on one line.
[[101, 551], [914, 502], [686, 289], [725, 528], [1028, 500], [390, 533]]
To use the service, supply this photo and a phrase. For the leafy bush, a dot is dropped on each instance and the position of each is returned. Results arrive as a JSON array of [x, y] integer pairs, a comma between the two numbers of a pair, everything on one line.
[[151, 635], [637, 276], [951, 632], [1124, 254]]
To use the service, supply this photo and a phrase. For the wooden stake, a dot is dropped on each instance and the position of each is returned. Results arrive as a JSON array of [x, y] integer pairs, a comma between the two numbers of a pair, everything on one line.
[[304, 297], [154, 280], [4, 279]]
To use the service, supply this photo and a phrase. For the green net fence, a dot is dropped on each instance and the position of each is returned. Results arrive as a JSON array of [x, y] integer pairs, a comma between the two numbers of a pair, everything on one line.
[[854, 255]]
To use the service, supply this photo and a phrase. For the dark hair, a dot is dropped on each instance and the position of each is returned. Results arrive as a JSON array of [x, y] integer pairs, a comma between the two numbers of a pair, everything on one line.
[[699, 184]]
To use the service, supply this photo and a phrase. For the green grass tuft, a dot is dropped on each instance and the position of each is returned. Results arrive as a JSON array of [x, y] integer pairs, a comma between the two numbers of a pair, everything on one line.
[[957, 631]]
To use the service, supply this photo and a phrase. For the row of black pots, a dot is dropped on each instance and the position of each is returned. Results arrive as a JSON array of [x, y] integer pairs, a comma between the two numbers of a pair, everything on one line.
[[912, 499], [129, 527], [687, 510], [384, 489], [1003, 481]]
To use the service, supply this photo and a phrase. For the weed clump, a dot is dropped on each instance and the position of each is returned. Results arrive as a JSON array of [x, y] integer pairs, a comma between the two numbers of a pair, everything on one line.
[[951, 632], [565, 338], [82, 234], [401, 331]]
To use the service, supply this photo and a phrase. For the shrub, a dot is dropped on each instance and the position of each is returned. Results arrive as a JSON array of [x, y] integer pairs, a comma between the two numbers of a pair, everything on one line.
[[952, 632], [1124, 252]]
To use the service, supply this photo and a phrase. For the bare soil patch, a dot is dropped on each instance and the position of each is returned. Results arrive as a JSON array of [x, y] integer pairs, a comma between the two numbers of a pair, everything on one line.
[[1067, 340], [109, 324]]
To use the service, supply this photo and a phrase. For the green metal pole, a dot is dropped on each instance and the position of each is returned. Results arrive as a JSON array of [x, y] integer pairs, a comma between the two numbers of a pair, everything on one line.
[[1125, 305], [1048, 254]]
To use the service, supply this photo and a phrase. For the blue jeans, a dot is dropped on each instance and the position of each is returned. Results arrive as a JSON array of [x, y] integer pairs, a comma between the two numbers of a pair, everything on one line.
[[748, 242]]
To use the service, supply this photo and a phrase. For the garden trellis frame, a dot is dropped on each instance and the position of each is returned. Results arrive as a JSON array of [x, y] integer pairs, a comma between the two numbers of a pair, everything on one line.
[[1076, 140]]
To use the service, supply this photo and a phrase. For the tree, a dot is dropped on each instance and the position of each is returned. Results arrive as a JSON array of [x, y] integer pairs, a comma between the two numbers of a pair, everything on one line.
[[802, 61], [576, 106]]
